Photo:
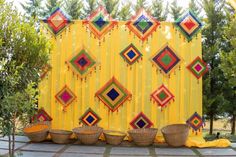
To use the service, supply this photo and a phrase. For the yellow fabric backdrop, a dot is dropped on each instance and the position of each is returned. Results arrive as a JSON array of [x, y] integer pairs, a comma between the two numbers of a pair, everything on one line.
[[141, 79]]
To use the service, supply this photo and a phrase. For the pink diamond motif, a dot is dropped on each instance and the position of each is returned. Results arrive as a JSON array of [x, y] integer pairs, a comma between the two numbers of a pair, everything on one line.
[[65, 96], [198, 67]]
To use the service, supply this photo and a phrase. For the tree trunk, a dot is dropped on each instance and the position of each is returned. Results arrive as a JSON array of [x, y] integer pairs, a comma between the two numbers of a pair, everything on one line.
[[233, 124], [211, 124], [13, 135], [13, 141], [9, 145]]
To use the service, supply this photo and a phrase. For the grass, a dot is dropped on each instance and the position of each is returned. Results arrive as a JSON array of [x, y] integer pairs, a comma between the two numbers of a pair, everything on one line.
[[222, 126]]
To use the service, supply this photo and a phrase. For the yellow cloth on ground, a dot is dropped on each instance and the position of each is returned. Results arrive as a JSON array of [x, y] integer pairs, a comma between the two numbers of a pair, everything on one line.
[[201, 143]]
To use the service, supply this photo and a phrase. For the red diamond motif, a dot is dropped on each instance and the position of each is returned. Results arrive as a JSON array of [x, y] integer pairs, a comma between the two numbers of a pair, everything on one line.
[[189, 24]]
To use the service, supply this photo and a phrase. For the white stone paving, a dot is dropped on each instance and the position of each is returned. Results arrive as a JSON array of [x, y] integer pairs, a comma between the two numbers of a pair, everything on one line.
[[220, 151], [174, 151], [129, 151]]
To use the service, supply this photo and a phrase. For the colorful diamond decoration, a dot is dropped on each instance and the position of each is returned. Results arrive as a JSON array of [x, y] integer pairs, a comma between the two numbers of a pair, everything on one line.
[[141, 121], [41, 116], [100, 22], [166, 59], [189, 25], [162, 96], [195, 121], [82, 63], [57, 21], [113, 94], [90, 118], [131, 54], [142, 25], [65, 96], [198, 67]]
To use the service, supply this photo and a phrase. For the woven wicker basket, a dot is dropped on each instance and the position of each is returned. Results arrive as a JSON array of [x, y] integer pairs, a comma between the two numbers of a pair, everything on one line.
[[88, 134], [114, 137], [60, 136], [143, 137], [37, 132], [175, 135]]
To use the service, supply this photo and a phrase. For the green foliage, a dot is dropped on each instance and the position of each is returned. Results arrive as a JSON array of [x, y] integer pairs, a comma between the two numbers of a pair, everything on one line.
[[33, 8], [194, 6], [50, 6], [175, 10], [229, 69], [89, 7], [141, 4], [158, 10], [73, 8], [213, 44], [23, 53], [111, 7], [125, 12]]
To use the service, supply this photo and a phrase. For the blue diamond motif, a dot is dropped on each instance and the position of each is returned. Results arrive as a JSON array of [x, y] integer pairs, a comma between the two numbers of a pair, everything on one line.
[[82, 62], [90, 119], [131, 54], [113, 94], [141, 123], [100, 22]]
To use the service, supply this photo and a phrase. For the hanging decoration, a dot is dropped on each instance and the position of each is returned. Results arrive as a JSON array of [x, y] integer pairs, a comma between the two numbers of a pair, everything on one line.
[[162, 96], [82, 63], [113, 94], [142, 24], [141, 121], [189, 25], [131, 54], [166, 59], [100, 22], [195, 122], [90, 118], [65, 96], [57, 21], [45, 69], [198, 67], [41, 116]]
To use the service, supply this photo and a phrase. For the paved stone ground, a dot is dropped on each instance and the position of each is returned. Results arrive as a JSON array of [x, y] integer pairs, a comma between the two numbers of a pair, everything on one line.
[[47, 149]]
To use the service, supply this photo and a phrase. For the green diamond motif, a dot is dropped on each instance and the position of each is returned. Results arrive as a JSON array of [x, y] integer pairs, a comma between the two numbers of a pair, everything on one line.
[[166, 59], [143, 24], [195, 121], [162, 95]]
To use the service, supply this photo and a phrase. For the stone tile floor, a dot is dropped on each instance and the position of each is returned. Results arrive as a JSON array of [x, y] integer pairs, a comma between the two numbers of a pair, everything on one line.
[[26, 149]]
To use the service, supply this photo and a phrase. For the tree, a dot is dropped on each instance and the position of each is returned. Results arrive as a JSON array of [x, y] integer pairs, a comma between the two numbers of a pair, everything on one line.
[[193, 5], [89, 7], [23, 53], [228, 65], [50, 6], [141, 4], [213, 44], [111, 7], [158, 10], [73, 8], [175, 10], [33, 8], [125, 12]]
